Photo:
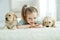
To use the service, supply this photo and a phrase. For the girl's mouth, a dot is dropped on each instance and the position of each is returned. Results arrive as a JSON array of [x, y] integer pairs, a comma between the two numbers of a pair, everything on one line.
[[31, 22]]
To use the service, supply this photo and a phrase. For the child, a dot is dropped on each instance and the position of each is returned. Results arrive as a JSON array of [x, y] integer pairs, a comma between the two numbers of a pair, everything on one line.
[[29, 17]]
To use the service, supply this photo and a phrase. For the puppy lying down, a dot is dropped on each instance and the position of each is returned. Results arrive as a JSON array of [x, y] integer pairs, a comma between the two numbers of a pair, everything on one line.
[[48, 22], [10, 20]]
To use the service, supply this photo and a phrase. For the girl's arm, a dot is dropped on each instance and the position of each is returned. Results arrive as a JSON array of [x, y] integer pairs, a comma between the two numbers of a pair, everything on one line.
[[23, 26], [36, 26]]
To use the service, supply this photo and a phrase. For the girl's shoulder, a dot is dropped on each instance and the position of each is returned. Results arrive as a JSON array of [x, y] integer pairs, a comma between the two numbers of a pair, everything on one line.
[[21, 22], [39, 21]]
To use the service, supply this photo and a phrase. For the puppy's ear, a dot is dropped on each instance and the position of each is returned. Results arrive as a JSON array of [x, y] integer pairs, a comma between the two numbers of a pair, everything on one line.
[[15, 17], [43, 22], [53, 25]]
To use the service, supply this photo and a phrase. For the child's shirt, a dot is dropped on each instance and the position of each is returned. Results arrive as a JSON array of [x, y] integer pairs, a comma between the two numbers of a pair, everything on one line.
[[22, 22]]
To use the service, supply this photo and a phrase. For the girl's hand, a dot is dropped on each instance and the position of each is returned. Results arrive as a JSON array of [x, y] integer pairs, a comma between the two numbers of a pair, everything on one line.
[[36, 25]]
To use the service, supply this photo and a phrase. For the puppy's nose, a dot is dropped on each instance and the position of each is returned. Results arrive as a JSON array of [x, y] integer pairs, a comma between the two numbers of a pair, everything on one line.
[[6, 19], [47, 26]]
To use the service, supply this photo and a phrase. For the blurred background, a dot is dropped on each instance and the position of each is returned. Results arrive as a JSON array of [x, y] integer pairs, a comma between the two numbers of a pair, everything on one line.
[[45, 8]]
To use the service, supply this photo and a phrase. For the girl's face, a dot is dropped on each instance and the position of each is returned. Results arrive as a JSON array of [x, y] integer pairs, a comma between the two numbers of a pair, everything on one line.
[[31, 17]]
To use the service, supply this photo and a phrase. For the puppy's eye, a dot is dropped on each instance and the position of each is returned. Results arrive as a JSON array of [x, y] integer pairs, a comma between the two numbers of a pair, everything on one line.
[[9, 15], [49, 22], [45, 22]]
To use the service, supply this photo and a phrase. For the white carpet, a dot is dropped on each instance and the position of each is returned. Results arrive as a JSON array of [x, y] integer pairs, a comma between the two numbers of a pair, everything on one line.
[[31, 34]]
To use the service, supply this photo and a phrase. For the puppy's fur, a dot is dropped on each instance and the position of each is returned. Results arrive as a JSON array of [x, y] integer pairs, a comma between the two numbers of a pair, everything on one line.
[[10, 20], [48, 22]]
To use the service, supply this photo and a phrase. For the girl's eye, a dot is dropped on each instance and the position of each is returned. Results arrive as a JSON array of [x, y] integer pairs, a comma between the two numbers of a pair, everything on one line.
[[34, 17], [29, 18]]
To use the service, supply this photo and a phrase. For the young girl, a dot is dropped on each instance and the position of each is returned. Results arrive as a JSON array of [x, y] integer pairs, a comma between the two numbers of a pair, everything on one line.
[[29, 18]]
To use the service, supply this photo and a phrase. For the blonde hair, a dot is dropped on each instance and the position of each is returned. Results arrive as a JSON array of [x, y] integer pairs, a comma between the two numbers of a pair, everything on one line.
[[26, 8]]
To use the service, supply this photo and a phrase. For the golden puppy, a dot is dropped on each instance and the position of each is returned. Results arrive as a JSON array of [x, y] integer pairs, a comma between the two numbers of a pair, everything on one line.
[[10, 20], [48, 22]]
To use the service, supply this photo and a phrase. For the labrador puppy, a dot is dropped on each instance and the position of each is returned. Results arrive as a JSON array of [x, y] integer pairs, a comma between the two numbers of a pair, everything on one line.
[[10, 20], [48, 22]]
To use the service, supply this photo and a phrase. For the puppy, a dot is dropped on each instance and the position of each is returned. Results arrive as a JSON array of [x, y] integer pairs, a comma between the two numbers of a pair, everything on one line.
[[48, 22], [10, 20]]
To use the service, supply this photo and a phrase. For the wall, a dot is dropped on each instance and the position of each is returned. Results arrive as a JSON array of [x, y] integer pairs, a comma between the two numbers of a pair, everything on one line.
[[16, 5], [58, 10], [4, 7]]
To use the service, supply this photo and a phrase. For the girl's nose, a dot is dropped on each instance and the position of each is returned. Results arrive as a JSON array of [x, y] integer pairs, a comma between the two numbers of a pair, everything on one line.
[[32, 20]]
